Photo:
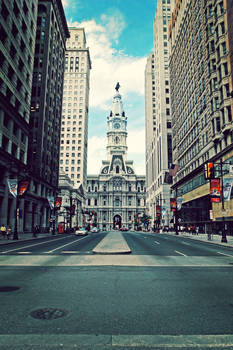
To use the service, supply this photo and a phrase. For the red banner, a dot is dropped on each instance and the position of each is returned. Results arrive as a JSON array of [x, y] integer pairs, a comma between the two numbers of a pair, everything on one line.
[[23, 186], [215, 190], [58, 202], [158, 210], [173, 204]]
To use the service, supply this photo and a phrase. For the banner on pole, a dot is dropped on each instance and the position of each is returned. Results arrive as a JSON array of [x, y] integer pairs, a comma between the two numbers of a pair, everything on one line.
[[227, 186], [58, 202], [13, 186], [215, 190], [173, 204], [179, 202], [158, 210], [51, 201], [23, 186]]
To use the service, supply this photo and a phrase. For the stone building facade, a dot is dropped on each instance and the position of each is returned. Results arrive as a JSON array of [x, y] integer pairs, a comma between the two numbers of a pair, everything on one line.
[[158, 119], [116, 196], [202, 125], [75, 108]]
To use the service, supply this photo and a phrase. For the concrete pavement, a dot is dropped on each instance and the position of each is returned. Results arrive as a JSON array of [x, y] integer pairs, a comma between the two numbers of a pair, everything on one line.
[[113, 243]]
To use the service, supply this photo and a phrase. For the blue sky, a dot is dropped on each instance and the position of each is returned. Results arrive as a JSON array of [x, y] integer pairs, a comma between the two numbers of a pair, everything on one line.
[[120, 37]]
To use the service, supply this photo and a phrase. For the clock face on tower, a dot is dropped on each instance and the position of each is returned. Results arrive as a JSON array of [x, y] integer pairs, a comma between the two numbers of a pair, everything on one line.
[[116, 125]]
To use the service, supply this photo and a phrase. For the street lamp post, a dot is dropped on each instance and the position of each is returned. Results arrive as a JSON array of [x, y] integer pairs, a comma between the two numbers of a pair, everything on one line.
[[224, 236]]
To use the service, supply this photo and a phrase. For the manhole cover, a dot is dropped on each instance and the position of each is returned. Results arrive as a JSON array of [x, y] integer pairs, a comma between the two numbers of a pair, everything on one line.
[[8, 288], [48, 313]]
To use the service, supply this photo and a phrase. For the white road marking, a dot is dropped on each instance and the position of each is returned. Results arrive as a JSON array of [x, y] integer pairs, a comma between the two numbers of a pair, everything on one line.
[[77, 240], [31, 245], [231, 256], [185, 243], [69, 252], [180, 253], [156, 242], [24, 252], [110, 341]]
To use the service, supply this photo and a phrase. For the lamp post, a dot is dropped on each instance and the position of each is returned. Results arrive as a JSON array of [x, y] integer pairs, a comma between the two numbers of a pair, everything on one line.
[[224, 236]]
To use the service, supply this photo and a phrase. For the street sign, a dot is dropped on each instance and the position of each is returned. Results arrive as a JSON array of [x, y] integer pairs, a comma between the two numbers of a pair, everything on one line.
[[223, 212]]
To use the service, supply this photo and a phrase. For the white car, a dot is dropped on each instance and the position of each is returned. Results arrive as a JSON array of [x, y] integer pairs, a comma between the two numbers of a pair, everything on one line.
[[95, 229], [81, 232]]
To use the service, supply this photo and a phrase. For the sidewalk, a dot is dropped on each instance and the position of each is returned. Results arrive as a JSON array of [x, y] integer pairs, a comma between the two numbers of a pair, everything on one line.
[[215, 239], [23, 237]]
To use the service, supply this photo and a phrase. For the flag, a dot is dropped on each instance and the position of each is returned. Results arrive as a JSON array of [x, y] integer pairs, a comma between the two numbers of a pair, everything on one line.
[[58, 202], [51, 201], [173, 170], [215, 190], [179, 202], [23, 186], [227, 186], [13, 186], [173, 204]]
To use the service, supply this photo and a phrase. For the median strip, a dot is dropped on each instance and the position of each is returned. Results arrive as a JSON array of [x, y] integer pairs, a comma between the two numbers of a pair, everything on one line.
[[112, 243]]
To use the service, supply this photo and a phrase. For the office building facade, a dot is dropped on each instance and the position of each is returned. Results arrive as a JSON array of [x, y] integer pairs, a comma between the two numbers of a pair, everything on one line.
[[158, 119], [18, 33], [202, 128], [74, 127]]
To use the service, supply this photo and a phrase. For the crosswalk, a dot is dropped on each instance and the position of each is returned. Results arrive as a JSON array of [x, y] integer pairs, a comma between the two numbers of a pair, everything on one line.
[[68, 259]]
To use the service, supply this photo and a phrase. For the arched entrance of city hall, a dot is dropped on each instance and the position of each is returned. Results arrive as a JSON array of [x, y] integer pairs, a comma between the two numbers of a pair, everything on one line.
[[116, 222]]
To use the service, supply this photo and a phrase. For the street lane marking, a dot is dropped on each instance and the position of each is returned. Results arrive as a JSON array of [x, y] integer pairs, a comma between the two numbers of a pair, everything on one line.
[[77, 240], [24, 252], [69, 252], [231, 256], [180, 253], [31, 245], [156, 242], [185, 243]]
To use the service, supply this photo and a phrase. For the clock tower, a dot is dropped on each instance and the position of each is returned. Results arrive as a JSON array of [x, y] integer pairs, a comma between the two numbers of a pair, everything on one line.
[[117, 128], [117, 194]]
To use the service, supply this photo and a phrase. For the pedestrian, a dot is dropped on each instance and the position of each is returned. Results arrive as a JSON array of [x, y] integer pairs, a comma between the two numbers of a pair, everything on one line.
[[3, 231], [197, 230], [8, 232]]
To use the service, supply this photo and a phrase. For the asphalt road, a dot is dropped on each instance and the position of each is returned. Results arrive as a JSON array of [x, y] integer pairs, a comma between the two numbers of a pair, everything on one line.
[[169, 293]]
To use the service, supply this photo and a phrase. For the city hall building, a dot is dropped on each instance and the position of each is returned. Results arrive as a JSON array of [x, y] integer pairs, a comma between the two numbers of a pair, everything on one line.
[[116, 196]]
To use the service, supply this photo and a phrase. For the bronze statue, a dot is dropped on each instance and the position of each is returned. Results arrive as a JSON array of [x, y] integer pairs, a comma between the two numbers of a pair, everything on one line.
[[117, 86]]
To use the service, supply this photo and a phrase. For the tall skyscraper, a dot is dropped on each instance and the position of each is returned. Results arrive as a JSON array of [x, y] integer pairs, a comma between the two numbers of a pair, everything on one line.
[[158, 119], [116, 197], [200, 71], [17, 43], [46, 108], [74, 128]]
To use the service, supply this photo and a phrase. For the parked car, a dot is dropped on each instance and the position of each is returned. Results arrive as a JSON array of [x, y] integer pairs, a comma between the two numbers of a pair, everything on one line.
[[124, 229], [95, 229], [81, 232]]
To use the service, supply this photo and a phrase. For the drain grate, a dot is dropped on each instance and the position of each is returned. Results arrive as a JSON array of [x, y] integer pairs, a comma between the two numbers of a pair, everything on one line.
[[48, 313], [8, 288]]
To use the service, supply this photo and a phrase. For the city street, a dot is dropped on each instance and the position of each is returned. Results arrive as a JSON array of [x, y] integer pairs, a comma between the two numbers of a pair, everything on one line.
[[169, 292]]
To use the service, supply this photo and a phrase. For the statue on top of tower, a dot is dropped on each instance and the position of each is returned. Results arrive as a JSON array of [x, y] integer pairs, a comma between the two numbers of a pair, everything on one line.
[[117, 87]]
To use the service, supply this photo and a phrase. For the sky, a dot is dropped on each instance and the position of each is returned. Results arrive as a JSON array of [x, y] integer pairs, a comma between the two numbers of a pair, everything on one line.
[[119, 34]]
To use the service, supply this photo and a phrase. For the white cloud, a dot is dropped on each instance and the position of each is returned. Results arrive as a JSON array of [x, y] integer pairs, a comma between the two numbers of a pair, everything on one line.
[[109, 65], [96, 153]]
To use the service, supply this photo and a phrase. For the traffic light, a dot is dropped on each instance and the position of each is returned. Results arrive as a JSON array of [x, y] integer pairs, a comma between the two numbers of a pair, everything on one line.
[[209, 170]]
